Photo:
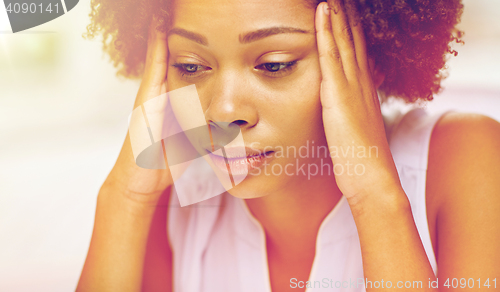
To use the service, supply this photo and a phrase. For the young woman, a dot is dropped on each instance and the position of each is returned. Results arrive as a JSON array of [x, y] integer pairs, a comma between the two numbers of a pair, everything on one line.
[[291, 73]]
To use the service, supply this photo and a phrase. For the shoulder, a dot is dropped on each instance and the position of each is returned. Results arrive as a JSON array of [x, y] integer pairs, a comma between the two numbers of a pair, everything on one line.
[[463, 146], [463, 180], [464, 125]]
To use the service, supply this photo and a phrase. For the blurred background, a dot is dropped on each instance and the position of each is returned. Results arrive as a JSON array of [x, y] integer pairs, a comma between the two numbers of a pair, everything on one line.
[[63, 119]]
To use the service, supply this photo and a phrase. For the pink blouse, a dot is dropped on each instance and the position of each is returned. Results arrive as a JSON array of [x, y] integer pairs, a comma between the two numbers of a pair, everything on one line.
[[219, 246]]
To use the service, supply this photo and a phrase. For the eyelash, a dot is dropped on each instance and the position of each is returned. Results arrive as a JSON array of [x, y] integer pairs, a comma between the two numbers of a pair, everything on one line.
[[181, 67], [280, 72]]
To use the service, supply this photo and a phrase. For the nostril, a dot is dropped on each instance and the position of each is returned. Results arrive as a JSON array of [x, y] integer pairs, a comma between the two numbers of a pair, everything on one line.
[[239, 122], [225, 125], [222, 133]]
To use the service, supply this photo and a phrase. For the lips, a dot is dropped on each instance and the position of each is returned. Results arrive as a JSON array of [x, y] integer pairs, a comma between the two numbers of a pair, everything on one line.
[[240, 160]]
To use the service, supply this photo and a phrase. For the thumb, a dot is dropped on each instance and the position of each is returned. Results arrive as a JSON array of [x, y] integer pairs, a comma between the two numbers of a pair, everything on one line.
[[156, 64]]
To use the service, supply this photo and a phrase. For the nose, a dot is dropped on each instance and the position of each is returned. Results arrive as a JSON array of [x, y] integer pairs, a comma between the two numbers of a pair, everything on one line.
[[232, 103]]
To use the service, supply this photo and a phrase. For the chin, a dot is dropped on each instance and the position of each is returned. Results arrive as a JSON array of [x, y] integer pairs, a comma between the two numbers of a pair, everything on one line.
[[257, 186]]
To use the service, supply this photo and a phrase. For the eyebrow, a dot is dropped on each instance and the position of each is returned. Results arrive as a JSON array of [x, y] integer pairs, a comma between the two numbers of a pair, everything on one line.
[[266, 32], [196, 37], [244, 39]]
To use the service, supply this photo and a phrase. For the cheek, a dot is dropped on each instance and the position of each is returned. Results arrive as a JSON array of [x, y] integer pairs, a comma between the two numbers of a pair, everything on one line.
[[185, 104], [302, 116], [308, 118], [185, 101], [309, 96], [172, 79]]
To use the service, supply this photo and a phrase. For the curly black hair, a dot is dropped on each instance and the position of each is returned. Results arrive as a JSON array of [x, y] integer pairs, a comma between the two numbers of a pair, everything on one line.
[[408, 39]]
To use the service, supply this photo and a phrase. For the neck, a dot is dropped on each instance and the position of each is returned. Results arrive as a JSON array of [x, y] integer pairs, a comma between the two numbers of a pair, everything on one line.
[[291, 218]]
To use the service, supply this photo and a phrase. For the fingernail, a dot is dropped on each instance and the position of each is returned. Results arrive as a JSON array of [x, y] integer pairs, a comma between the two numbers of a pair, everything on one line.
[[326, 9]]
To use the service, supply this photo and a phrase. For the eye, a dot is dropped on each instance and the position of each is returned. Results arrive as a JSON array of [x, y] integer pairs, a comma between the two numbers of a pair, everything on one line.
[[276, 69], [190, 70], [273, 67]]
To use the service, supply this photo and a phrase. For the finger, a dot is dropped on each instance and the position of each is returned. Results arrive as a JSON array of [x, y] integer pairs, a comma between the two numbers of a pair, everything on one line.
[[343, 35], [329, 56], [156, 64], [358, 35]]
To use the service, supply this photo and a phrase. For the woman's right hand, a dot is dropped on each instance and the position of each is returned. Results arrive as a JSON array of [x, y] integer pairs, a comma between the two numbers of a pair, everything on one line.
[[141, 184], [129, 250]]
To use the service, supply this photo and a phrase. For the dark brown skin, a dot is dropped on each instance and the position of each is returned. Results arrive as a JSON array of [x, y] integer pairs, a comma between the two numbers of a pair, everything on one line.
[[462, 181]]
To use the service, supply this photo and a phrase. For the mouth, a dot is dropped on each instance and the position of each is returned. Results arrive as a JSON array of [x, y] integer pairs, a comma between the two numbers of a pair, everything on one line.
[[240, 160]]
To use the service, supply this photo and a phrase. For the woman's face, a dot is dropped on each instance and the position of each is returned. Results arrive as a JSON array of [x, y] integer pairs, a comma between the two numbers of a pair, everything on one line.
[[254, 63]]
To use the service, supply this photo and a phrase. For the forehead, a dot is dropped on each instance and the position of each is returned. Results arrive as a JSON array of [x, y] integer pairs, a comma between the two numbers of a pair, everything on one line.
[[226, 17]]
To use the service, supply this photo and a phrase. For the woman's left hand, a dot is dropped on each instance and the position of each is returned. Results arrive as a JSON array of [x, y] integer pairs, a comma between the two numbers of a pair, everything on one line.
[[352, 118]]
